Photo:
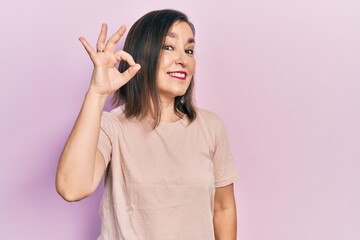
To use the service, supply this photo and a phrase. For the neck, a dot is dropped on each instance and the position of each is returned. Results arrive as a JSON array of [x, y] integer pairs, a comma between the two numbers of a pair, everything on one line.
[[167, 110]]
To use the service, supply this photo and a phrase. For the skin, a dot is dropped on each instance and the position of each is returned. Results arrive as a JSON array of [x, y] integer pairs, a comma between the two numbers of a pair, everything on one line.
[[177, 56], [225, 224], [81, 166]]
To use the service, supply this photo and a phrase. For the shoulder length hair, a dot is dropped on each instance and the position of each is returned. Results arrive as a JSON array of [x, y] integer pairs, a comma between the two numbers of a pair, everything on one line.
[[144, 43]]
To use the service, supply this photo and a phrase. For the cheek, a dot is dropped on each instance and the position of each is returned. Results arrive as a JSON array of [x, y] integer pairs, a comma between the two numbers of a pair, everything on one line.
[[165, 61], [193, 65], [162, 69]]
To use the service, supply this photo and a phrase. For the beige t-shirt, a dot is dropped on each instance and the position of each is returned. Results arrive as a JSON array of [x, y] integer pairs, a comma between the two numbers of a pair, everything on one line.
[[160, 183]]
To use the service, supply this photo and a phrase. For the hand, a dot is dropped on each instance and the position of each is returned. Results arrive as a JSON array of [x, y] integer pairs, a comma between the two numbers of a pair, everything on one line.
[[106, 78]]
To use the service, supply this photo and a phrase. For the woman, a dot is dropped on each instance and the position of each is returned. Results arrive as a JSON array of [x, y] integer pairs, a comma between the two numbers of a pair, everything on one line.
[[168, 168]]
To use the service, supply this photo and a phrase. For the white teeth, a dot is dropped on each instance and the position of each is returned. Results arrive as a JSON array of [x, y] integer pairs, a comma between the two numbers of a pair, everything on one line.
[[177, 74]]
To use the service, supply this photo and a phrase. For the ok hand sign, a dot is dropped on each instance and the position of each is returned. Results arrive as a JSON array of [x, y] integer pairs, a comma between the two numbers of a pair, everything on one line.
[[105, 77]]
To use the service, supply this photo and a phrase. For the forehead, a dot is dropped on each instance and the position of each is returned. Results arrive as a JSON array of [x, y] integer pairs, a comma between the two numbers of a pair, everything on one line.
[[180, 29]]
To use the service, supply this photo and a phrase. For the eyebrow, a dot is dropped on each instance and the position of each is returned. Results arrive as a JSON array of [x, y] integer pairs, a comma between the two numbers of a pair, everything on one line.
[[174, 35]]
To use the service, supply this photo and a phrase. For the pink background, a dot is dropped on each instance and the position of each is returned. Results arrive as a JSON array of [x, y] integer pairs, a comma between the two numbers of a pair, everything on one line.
[[284, 76]]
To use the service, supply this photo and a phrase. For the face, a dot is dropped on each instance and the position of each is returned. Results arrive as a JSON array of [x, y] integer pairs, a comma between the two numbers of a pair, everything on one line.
[[176, 62]]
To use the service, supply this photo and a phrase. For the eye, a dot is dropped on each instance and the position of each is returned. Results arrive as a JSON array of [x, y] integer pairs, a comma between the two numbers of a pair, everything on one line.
[[167, 47], [189, 51]]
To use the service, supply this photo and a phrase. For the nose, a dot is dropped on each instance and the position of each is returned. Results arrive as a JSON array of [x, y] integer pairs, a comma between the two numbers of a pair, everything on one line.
[[181, 58]]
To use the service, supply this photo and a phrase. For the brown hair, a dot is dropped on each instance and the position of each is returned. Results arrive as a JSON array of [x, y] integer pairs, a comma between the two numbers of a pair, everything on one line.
[[144, 43]]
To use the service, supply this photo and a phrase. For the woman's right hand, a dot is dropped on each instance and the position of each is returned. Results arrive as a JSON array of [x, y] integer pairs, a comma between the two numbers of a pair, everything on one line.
[[106, 78]]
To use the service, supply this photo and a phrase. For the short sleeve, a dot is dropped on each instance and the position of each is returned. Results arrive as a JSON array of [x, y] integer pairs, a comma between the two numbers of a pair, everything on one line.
[[105, 137], [224, 166]]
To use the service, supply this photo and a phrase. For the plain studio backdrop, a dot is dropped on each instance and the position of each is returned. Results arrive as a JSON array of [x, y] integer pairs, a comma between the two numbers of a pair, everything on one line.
[[284, 76]]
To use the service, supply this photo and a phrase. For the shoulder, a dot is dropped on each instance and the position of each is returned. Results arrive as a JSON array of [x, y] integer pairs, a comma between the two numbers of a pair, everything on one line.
[[209, 117], [115, 115], [210, 121], [113, 119]]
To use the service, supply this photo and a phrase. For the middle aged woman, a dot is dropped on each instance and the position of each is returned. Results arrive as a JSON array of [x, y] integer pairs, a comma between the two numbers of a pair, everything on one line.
[[168, 165]]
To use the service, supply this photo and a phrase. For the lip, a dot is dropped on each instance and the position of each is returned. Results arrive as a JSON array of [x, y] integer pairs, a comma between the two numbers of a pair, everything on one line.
[[181, 75]]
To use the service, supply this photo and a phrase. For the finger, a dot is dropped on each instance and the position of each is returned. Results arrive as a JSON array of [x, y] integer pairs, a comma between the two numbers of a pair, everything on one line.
[[130, 72], [115, 38], [100, 45], [122, 55], [87, 46]]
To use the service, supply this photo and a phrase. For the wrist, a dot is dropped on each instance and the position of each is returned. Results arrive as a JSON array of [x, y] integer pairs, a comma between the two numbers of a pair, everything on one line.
[[96, 98], [95, 94]]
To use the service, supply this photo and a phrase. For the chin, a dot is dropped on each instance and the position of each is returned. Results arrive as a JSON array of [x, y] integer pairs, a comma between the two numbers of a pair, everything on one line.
[[174, 91], [180, 93]]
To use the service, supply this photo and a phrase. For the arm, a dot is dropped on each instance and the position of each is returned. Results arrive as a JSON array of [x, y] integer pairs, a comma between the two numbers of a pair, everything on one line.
[[81, 166], [225, 225]]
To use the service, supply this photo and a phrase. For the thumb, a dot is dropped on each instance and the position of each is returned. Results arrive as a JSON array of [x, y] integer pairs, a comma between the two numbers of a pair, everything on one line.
[[130, 72]]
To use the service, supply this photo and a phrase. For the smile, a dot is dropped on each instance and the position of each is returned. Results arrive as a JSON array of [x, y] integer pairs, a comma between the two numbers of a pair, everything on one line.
[[179, 75]]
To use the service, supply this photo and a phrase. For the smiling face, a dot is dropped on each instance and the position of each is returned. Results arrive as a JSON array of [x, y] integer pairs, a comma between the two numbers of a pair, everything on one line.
[[177, 64]]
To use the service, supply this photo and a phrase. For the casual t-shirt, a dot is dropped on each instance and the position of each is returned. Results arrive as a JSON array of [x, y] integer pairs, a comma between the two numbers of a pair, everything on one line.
[[160, 183]]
